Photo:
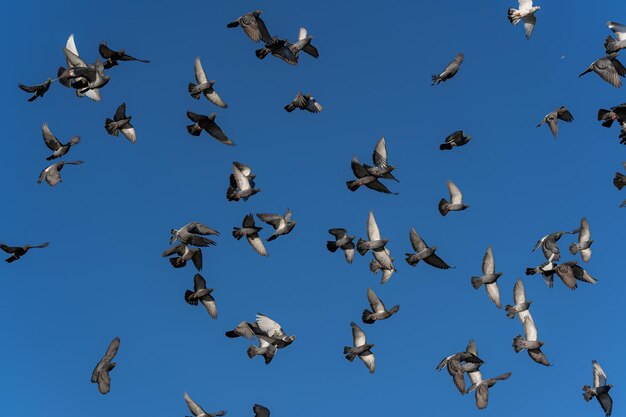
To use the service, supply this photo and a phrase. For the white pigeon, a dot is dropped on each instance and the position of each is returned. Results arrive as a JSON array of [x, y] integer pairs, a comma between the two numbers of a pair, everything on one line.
[[525, 13]]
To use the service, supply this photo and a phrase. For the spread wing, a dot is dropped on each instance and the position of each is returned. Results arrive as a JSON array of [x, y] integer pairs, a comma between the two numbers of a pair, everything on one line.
[[120, 113], [373, 233], [358, 335], [455, 194], [599, 377], [585, 233], [257, 244], [375, 302], [618, 29], [195, 409], [199, 71], [416, 241], [519, 294], [49, 139], [530, 331], [243, 183], [489, 266], [268, 326], [380, 153]]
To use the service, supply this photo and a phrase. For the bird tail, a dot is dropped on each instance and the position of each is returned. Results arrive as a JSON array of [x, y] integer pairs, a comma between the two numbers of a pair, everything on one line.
[[353, 185], [189, 300], [477, 282], [111, 127], [573, 248], [367, 317], [178, 262], [231, 194], [445, 146], [442, 207], [349, 352], [513, 15], [237, 233], [192, 90], [394, 309], [269, 354], [588, 393], [252, 351], [436, 80], [610, 44], [619, 180], [194, 129], [518, 343], [331, 246], [262, 53], [510, 311], [361, 247], [233, 24]]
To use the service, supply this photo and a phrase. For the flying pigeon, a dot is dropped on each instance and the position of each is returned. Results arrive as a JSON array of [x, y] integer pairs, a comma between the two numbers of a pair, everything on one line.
[[192, 234], [549, 246], [600, 389], [387, 273], [456, 200], [489, 278], [546, 269], [185, 253], [584, 242], [121, 123], [570, 272], [59, 149], [18, 251], [617, 113], [85, 79], [612, 45], [52, 173], [360, 349], [202, 293], [100, 374], [265, 329], [423, 252], [241, 186], [552, 118], [525, 13], [521, 304], [450, 71], [282, 224], [364, 177], [112, 57], [287, 51], [531, 344], [39, 90], [460, 363], [379, 312], [253, 26], [454, 140], [342, 241], [304, 102], [482, 387], [260, 411], [381, 168], [245, 170], [264, 349], [377, 245], [204, 86], [207, 123], [197, 411], [251, 232], [609, 68]]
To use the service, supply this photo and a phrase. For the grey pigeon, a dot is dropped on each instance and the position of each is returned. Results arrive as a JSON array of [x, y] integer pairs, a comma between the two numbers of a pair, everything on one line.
[[570, 272], [251, 232], [193, 234], [381, 168], [450, 71], [18, 251], [253, 26], [272, 332], [521, 304], [208, 124], [376, 244], [197, 411], [617, 113], [547, 271], [282, 225], [530, 343], [482, 387], [549, 246], [121, 123], [360, 349], [342, 241], [52, 173], [203, 294], [185, 253], [609, 68], [424, 252], [489, 278], [364, 177], [100, 373], [600, 389], [526, 14], [456, 200], [59, 149], [279, 48], [304, 102], [38, 90], [378, 312], [584, 242], [112, 57], [620, 182], [460, 363], [85, 79], [260, 411], [455, 140], [265, 349], [615, 45], [552, 118], [204, 86], [241, 184], [387, 273]]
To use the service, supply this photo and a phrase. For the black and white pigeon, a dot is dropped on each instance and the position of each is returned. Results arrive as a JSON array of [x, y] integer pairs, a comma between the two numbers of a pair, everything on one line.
[[208, 124], [38, 90], [112, 57], [287, 51], [18, 251], [245, 170], [600, 389], [304, 102], [197, 411], [481, 386], [530, 343], [378, 312], [282, 224], [52, 173], [185, 253], [489, 278], [251, 233], [193, 234], [526, 14], [424, 252], [553, 117], [360, 349], [547, 271], [584, 242], [59, 149], [455, 140], [611, 44], [100, 373], [609, 68], [450, 71], [121, 123], [203, 294], [342, 241], [253, 26], [204, 86]]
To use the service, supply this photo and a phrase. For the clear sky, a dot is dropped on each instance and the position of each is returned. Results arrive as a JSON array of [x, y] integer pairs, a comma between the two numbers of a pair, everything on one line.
[[108, 222]]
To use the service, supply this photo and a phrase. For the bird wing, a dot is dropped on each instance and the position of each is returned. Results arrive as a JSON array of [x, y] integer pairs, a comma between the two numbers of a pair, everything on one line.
[[519, 294], [178, 249], [197, 259], [565, 115], [566, 273], [49, 139], [436, 261], [482, 396], [471, 348], [243, 183], [72, 57], [525, 5], [214, 130], [456, 197], [529, 23], [606, 402], [129, 132], [264, 34], [338, 232], [104, 381], [489, 266], [199, 71], [260, 411], [200, 229], [380, 153], [599, 377], [375, 302], [195, 409], [28, 88], [245, 169], [209, 303], [369, 361], [554, 126], [454, 64], [8, 249], [585, 233], [276, 221], [530, 330], [417, 242], [299, 100], [257, 244], [120, 113], [606, 70], [214, 98], [358, 335], [384, 259], [373, 233], [538, 356], [268, 326], [195, 117], [358, 170], [378, 186], [112, 349], [199, 283], [618, 29], [493, 291]]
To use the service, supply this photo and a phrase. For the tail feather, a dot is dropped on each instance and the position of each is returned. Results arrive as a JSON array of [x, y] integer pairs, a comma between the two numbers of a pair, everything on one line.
[[367, 317], [445, 146], [619, 180], [195, 94], [331, 246], [513, 16], [510, 311], [349, 352], [436, 79], [588, 393], [194, 129], [231, 194], [269, 354], [189, 300], [261, 53], [237, 233], [477, 282], [531, 271], [394, 309], [518, 343], [442, 207], [177, 262], [360, 247], [111, 127], [353, 185], [252, 351]]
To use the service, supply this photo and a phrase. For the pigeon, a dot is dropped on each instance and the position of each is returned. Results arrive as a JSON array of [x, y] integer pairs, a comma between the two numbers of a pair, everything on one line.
[[611, 44], [207, 123], [304, 102], [240, 187], [570, 272], [264, 349], [197, 411], [381, 168], [272, 332], [609, 68], [184, 253], [282, 224], [584, 242], [112, 57], [202, 293], [304, 44], [521, 304], [243, 329], [245, 170], [360, 349], [59, 149], [280, 48], [531, 344], [18, 251], [39, 90], [600, 389], [342, 241], [482, 387], [379, 312], [460, 363], [377, 245], [387, 273], [192, 234], [251, 232], [549, 246], [607, 117], [454, 140], [260, 411], [450, 71], [85, 79], [121, 123], [423, 252], [456, 200], [547, 270], [364, 177], [204, 86], [100, 374], [253, 26], [52, 173], [525, 13], [620, 179], [552, 118], [489, 278]]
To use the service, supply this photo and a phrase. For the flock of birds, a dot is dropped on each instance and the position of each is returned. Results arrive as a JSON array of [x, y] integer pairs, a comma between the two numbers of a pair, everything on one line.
[[88, 79]]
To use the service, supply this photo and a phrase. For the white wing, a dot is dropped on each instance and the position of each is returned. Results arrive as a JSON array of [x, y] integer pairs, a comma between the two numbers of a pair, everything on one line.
[[302, 34], [489, 266], [619, 30], [372, 228], [599, 377], [519, 294], [358, 335], [530, 330], [129, 132], [71, 46], [369, 361], [455, 194], [268, 325], [525, 5], [200, 74], [242, 181]]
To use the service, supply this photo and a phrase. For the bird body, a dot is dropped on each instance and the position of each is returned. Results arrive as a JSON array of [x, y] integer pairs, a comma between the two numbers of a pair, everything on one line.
[[456, 200], [204, 86], [59, 149], [450, 70], [454, 140], [208, 124], [489, 278], [251, 232], [424, 252], [193, 234], [342, 241]]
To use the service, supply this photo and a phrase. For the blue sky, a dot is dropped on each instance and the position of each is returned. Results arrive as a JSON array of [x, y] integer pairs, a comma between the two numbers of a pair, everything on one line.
[[108, 222]]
